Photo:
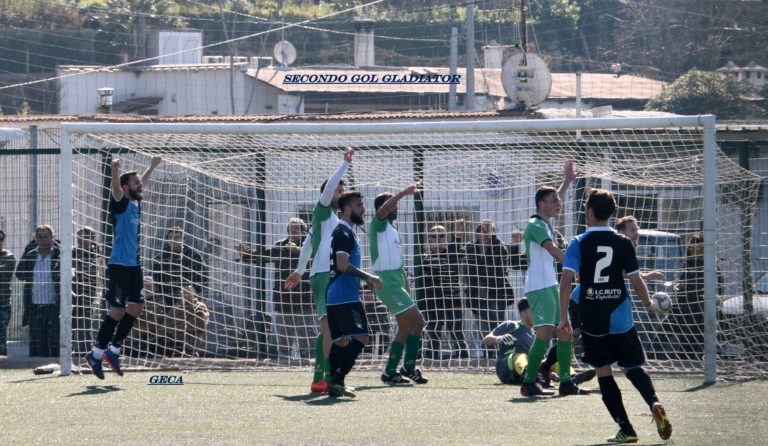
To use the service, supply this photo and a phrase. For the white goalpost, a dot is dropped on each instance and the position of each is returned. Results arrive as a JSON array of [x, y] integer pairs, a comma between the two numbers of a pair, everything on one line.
[[232, 189]]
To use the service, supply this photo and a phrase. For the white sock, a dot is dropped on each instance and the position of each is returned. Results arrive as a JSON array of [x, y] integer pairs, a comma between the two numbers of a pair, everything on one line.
[[97, 352], [115, 350]]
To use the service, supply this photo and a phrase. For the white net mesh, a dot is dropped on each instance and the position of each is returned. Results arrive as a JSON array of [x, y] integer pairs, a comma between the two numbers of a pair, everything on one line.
[[233, 195]]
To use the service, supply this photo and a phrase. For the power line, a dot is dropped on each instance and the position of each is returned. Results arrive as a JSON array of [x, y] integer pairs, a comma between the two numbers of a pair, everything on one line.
[[236, 39]]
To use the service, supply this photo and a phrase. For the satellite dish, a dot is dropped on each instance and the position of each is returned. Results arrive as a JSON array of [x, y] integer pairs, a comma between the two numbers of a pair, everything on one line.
[[285, 53], [526, 79]]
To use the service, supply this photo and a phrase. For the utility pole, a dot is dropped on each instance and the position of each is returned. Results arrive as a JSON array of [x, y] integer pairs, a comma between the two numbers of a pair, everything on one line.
[[469, 98], [452, 63]]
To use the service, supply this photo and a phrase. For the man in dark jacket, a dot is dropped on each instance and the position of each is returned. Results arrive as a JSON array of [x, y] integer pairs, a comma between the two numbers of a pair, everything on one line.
[[39, 269], [176, 266], [7, 266]]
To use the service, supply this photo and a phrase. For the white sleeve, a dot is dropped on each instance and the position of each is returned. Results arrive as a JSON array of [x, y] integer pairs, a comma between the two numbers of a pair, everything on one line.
[[330, 187], [306, 254]]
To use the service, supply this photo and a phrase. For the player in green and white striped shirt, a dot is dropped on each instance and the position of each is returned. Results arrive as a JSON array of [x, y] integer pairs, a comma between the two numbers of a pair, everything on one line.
[[387, 258], [318, 246]]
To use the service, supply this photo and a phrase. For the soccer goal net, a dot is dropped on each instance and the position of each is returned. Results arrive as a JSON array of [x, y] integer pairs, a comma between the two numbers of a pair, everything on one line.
[[225, 213]]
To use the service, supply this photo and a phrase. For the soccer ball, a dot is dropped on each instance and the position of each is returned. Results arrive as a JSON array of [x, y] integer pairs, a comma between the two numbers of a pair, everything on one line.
[[663, 300]]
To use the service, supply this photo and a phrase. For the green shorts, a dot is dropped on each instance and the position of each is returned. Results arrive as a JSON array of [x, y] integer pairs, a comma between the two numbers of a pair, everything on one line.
[[393, 294], [545, 306], [319, 283]]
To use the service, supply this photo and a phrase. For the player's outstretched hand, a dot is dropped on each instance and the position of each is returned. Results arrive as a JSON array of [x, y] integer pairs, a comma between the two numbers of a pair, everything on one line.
[[155, 161], [568, 173], [507, 339], [115, 163], [653, 307], [565, 327], [413, 188], [292, 280], [348, 154], [374, 282]]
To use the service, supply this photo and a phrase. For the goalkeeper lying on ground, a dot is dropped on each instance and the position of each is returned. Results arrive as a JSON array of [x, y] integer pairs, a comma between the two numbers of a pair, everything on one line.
[[514, 338]]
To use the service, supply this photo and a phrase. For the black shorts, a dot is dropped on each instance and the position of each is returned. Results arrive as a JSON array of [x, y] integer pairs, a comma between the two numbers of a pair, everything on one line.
[[504, 373], [126, 285], [623, 349], [347, 319]]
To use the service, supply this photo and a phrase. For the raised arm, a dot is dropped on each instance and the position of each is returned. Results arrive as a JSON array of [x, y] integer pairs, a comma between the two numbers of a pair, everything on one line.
[[148, 173], [390, 204], [117, 190], [568, 176], [330, 187]]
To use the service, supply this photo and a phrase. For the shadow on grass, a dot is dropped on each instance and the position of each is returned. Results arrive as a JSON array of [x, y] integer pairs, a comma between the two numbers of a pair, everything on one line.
[[96, 390], [604, 443], [701, 386], [302, 398], [328, 401]]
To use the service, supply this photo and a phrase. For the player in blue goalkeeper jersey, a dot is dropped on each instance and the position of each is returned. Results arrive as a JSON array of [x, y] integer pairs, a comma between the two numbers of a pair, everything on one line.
[[601, 257], [346, 315], [124, 295]]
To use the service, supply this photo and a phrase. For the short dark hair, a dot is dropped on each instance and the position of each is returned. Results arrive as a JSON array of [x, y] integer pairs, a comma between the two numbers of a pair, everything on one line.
[[322, 186], [381, 199], [172, 230], [602, 203], [522, 305], [543, 193], [622, 223], [126, 177], [347, 197]]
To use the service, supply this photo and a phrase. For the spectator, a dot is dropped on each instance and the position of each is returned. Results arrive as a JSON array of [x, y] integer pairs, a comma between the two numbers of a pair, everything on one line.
[[182, 329], [438, 294], [294, 317], [488, 286], [7, 266], [39, 269], [151, 328], [175, 265], [85, 257]]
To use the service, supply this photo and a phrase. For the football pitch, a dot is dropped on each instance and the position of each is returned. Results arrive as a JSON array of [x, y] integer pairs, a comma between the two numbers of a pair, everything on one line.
[[268, 407]]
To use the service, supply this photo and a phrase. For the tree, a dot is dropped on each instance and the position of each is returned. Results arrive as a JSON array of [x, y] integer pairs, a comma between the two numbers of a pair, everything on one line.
[[705, 92]]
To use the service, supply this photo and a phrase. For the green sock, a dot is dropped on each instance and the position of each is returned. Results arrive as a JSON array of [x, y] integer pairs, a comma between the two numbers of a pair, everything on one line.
[[395, 353], [564, 353], [327, 368], [535, 355], [412, 347], [319, 360]]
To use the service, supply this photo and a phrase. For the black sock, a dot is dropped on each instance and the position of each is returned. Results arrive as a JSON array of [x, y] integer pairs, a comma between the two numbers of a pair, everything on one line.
[[614, 403], [123, 329], [351, 352], [106, 331], [334, 359], [551, 357], [642, 382]]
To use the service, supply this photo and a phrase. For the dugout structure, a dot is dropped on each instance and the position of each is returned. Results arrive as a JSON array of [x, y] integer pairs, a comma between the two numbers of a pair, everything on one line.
[[229, 184]]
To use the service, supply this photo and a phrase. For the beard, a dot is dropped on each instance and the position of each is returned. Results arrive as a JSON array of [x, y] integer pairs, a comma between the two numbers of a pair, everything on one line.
[[134, 194], [357, 219]]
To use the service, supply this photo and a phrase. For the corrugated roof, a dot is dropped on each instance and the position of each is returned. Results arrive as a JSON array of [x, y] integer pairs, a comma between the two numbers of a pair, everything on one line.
[[487, 81]]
